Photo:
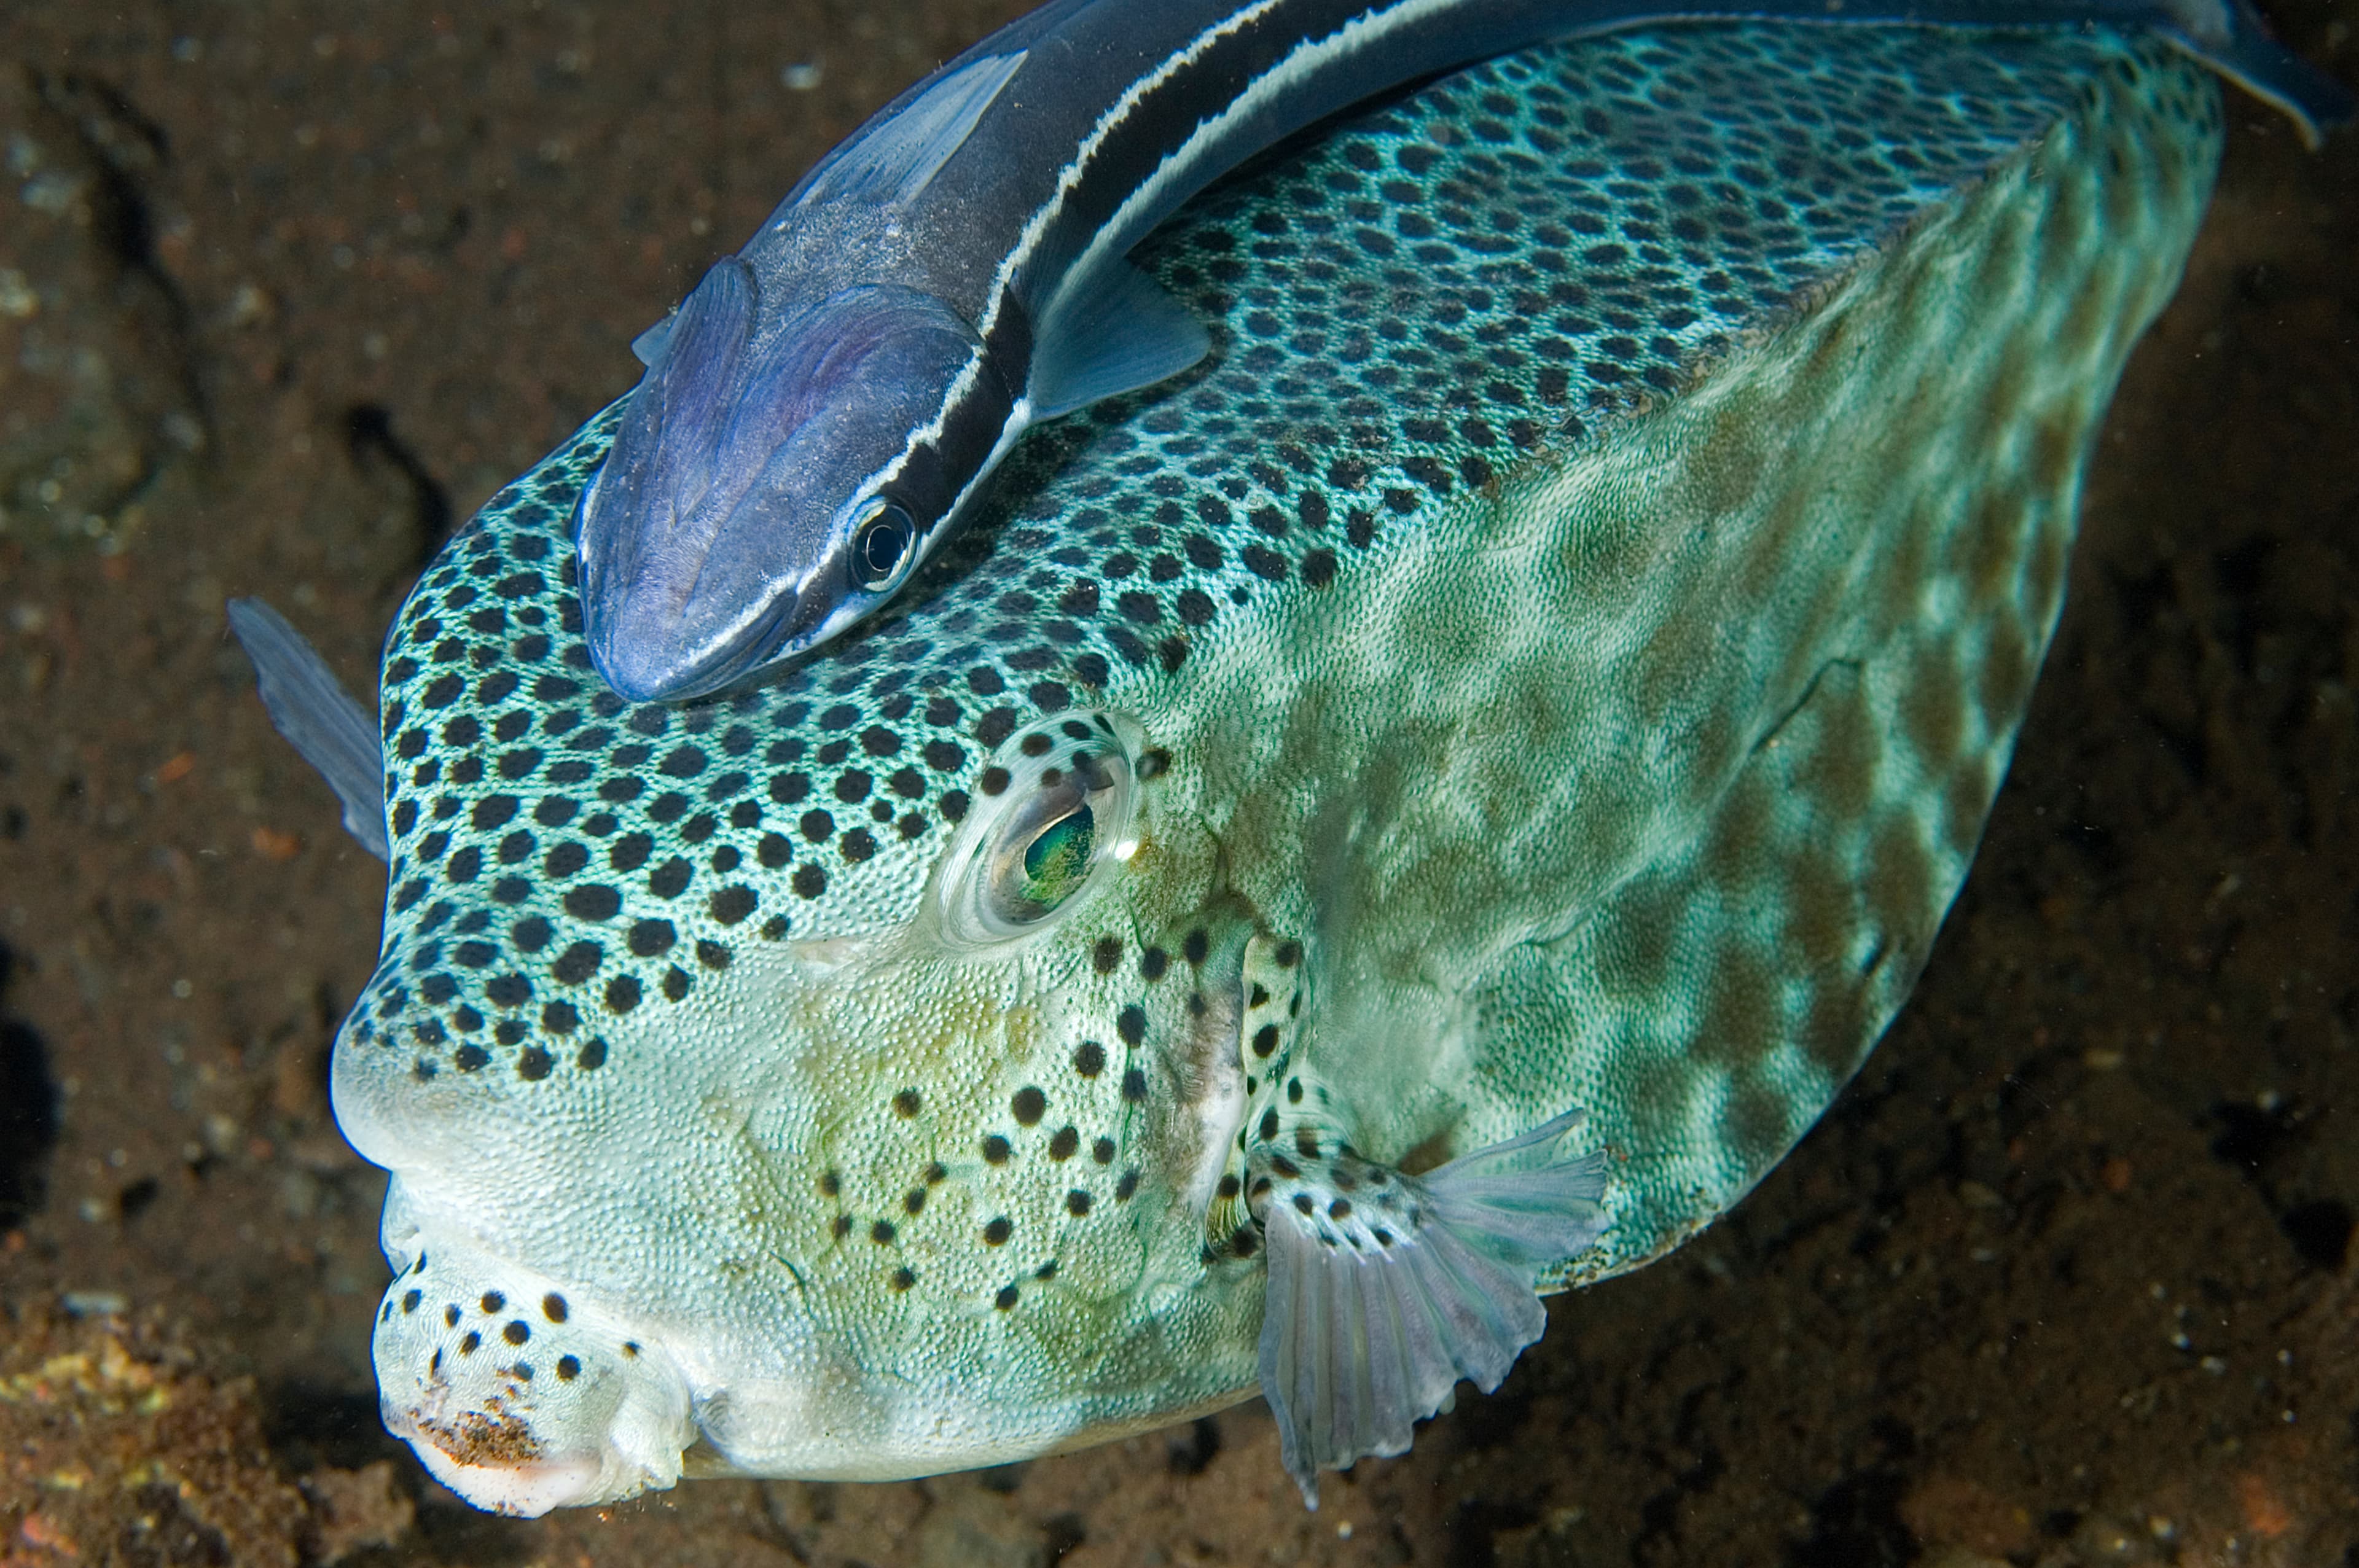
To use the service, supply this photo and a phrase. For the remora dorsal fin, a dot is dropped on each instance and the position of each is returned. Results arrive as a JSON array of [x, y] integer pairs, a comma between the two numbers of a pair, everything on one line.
[[319, 719], [891, 163], [1116, 333]]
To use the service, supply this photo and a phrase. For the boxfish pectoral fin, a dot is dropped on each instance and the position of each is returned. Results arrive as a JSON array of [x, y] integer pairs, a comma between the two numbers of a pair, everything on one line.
[[1386, 1289], [318, 717], [1118, 331]]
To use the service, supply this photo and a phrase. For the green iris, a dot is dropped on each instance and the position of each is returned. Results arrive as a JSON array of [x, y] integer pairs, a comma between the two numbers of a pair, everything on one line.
[[1056, 861]]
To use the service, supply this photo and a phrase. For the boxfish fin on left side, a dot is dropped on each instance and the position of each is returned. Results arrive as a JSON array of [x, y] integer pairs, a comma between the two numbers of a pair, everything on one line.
[[1108, 335], [319, 719]]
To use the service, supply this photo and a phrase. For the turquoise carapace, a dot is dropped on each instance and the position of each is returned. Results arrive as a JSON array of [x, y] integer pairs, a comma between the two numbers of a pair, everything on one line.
[[827, 403], [1420, 811]]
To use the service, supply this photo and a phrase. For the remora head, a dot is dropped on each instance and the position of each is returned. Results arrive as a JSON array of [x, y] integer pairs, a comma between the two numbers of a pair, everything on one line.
[[521, 1394], [755, 500]]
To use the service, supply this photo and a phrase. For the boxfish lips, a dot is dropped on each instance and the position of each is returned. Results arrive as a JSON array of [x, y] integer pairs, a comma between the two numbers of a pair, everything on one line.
[[520, 1396]]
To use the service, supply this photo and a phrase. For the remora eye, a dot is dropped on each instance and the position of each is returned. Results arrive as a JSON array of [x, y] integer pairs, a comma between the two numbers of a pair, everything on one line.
[[1045, 824], [883, 542]]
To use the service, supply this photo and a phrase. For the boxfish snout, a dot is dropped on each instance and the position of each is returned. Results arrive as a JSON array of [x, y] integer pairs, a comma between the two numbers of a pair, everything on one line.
[[519, 1394]]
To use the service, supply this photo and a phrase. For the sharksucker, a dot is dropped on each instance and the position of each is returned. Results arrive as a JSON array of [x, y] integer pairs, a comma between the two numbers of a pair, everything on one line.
[[1424, 812], [829, 403]]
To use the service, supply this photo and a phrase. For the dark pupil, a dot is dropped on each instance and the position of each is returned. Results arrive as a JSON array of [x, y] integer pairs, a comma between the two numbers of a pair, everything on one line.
[[881, 543], [1056, 861]]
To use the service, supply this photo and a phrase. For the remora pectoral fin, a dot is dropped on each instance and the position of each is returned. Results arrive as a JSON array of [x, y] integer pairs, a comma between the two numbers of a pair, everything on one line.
[[1386, 1289], [891, 161], [1114, 333]]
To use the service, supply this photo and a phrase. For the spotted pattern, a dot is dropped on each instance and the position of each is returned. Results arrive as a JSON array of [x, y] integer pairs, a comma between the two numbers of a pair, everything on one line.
[[1655, 819], [1449, 288]]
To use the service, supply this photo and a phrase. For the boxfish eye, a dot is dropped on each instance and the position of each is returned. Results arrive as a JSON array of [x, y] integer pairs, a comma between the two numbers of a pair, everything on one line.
[[1047, 823], [883, 542]]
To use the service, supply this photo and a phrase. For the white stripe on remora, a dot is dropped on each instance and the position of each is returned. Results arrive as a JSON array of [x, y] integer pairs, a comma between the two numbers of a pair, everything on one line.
[[1115, 238]]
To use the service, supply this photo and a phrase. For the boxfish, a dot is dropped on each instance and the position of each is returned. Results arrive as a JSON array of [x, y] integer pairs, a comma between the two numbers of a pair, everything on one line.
[[827, 405], [1417, 813]]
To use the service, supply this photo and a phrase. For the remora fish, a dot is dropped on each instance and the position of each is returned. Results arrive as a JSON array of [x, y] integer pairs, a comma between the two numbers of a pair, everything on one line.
[[1424, 815], [830, 402]]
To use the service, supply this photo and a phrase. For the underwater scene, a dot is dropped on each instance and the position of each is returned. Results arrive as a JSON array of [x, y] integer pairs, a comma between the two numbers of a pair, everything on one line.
[[1613, 820]]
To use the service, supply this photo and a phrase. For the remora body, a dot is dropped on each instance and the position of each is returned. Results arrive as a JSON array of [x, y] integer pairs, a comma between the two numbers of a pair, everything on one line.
[[831, 402], [1448, 794]]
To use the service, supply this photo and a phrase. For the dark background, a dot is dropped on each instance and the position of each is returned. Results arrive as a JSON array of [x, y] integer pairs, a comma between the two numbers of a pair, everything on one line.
[[2066, 1277]]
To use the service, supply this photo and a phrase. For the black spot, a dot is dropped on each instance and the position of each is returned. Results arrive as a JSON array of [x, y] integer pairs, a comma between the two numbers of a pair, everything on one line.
[[1088, 1059], [493, 1302], [578, 963], [732, 904], [1153, 963], [902, 1279], [1264, 1040], [1127, 1185], [553, 1307], [568, 1368], [1029, 1105], [809, 882], [621, 993], [1197, 948], [1006, 1299], [516, 1332], [1067, 1142], [1131, 1024], [676, 983], [996, 1149], [881, 1233], [592, 900], [1106, 954], [649, 938], [906, 1104], [671, 879], [533, 1064], [1134, 1086], [1077, 1203]]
